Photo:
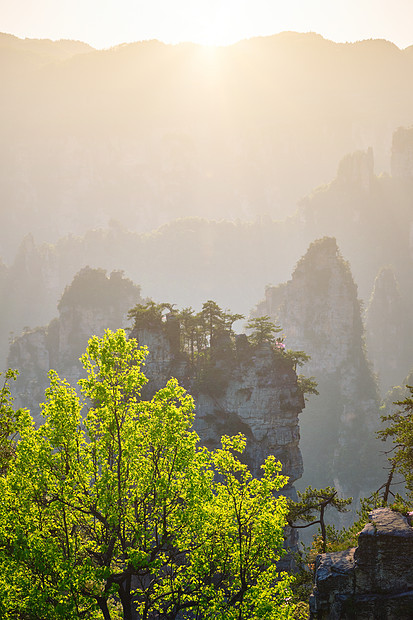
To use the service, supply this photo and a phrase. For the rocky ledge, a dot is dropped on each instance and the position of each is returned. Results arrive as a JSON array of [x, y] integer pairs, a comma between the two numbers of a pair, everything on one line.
[[374, 581]]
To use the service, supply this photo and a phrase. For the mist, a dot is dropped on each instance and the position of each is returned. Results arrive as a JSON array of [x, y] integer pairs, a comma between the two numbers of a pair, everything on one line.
[[273, 176]]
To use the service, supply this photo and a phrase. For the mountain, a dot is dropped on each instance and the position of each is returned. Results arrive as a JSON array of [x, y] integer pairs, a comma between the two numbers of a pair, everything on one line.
[[238, 387], [148, 132], [92, 303], [320, 314], [190, 260], [370, 215], [389, 330]]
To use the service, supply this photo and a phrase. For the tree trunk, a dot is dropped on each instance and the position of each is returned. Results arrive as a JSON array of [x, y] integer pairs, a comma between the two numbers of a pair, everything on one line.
[[126, 598], [103, 604], [323, 529]]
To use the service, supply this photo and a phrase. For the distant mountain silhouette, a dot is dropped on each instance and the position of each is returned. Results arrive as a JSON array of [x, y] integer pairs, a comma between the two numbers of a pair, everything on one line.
[[148, 132]]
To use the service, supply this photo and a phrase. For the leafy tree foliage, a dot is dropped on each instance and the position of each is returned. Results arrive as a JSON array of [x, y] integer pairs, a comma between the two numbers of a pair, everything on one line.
[[122, 509], [198, 331], [400, 431], [311, 508], [148, 315], [229, 319], [8, 422], [297, 358], [307, 385], [262, 330], [213, 318], [208, 334], [190, 331]]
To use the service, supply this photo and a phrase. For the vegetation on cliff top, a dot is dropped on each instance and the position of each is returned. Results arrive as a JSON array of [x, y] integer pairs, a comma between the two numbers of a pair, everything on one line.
[[207, 337]]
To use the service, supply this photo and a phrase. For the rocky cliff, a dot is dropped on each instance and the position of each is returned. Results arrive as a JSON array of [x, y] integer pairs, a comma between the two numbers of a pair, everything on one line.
[[402, 153], [374, 580], [319, 312], [389, 331], [238, 387], [248, 389], [242, 388], [91, 304]]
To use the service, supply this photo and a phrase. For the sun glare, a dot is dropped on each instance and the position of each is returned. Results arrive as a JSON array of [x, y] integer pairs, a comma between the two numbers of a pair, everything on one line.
[[211, 37], [214, 37], [215, 24]]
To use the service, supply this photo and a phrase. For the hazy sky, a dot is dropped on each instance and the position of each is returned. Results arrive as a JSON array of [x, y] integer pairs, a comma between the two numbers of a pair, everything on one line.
[[104, 23]]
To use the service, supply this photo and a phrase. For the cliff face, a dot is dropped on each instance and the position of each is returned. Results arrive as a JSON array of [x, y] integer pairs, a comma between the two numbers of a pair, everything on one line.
[[389, 331], [318, 308], [402, 153], [372, 581], [248, 389], [242, 388], [252, 390], [319, 312], [261, 400], [93, 303]]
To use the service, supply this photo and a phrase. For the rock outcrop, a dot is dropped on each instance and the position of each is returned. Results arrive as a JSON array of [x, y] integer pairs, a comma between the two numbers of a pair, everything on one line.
[[402, 153], [374, 580], [319, 312], [242, 388], [389, 331], [91, 304], [247, 389], [357, 169]]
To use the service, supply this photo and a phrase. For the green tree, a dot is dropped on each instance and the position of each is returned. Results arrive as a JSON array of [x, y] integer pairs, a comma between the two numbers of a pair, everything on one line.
[[307, 385], [297, 358], [311, 507], [229, 319], [148, 315], [213, 318], [262, 330], [189, 326], [400, 431], [8, 421], [123, 510]]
